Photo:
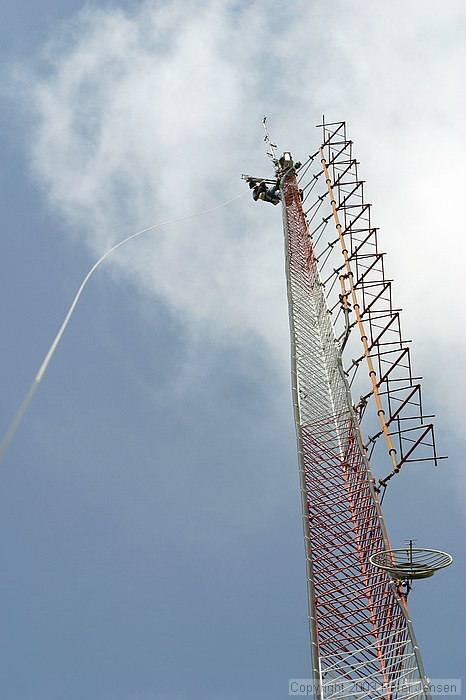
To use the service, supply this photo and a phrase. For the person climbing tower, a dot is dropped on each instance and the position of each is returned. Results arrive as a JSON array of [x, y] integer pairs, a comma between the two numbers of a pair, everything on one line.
[[267, 194]]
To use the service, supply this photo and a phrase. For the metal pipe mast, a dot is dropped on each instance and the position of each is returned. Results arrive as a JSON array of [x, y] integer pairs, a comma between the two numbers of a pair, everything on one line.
[[362, 640]]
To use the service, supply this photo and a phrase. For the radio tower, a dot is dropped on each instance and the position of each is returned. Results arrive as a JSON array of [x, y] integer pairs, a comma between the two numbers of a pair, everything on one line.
[[362, 639]]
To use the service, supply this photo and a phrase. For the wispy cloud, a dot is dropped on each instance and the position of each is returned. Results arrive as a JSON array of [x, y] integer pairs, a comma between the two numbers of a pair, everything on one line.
[[144, 115], [142, 118]]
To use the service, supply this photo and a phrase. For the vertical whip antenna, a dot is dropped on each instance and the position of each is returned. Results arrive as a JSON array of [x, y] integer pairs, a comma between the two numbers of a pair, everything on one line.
[[270, 146]]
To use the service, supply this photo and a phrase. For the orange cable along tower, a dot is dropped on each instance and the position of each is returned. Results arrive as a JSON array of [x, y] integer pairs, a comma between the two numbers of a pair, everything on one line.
[[340, 304]]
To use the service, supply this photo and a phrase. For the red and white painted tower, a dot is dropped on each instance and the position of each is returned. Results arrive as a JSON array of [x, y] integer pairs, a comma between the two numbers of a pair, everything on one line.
[[362, 639]]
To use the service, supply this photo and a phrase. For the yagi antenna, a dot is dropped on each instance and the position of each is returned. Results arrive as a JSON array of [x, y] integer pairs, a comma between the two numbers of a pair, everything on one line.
[[271, 146]]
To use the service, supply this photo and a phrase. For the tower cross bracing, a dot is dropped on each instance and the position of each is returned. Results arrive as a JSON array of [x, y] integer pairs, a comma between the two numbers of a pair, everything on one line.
[[362, 639]]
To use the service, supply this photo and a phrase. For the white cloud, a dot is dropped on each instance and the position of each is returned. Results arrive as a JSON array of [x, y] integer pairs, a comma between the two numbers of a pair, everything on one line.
[[145, 118], [142, 116]]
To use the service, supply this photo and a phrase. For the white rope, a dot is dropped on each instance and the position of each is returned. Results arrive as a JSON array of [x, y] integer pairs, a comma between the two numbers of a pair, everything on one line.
[[45, 363]]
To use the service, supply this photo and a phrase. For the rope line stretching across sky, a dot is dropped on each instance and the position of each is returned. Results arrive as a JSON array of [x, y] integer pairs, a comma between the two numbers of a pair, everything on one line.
[[45, 363]]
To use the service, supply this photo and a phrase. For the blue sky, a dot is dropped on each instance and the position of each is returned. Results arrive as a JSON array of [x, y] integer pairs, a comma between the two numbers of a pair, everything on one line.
[[150, 521]]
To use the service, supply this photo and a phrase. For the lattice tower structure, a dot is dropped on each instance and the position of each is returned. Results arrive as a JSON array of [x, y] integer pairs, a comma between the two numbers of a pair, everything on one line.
[[362, 639]]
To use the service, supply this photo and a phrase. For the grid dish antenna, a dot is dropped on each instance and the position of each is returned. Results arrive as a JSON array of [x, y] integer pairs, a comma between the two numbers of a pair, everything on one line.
[[411, 563]]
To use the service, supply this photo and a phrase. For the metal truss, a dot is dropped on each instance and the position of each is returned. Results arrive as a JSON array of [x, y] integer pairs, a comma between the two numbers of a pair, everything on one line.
[[359, 295], [362, 641]]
